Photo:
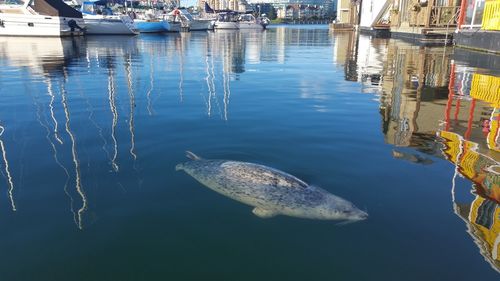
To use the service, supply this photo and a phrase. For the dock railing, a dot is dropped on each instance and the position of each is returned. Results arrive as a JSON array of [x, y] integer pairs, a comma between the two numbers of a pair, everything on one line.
[[443, 16]]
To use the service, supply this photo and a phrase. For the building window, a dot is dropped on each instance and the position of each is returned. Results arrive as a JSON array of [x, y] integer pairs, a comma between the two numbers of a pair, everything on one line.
[[474, 14], [478, 13]]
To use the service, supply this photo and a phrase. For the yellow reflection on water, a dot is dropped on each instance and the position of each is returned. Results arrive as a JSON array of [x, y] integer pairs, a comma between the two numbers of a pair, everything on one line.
[[482, 215]]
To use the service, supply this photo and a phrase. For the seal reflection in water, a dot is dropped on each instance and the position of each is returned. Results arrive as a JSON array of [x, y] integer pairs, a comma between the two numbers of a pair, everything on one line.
[[270, 191]]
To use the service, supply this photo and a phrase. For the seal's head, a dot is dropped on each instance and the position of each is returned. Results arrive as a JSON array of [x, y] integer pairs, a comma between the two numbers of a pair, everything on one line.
[[336, 208], [351, 213]]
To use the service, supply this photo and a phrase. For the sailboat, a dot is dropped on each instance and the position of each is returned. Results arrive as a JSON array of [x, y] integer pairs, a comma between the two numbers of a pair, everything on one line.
[[149, 22], [227, 20], [248, 21], [101, 20]]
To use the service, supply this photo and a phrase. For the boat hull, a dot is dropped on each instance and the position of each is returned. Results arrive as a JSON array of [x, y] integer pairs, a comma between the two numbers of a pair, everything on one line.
[[251, 25], [151, 26], [197, 25], [38, 25], [117, 25], [226, 25], [174, 26]]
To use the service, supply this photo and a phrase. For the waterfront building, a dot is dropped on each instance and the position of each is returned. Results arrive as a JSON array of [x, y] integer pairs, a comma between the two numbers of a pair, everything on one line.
[[284, 9], [234, 5], [300, 9], [347, 16], [423, 21], [298, 12], [346, 11]]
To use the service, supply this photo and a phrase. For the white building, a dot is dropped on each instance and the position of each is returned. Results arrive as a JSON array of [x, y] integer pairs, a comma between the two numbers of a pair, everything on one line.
[[326, 7], [234, 5]]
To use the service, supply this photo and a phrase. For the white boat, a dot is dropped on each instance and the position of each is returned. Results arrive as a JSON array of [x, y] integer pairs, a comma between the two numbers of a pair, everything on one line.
[[227, 20], [99, 19], [40, 18], [248, 21]]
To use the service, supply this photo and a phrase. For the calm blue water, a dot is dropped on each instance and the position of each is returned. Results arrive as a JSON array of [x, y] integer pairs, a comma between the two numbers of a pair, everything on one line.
[[92, 129]]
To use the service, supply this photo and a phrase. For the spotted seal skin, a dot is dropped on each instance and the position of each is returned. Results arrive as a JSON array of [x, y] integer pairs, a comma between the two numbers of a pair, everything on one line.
[[270, 191]]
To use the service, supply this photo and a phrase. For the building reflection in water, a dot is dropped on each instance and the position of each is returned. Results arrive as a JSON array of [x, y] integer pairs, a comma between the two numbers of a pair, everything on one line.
[[482, 215], [471, 142], [432, 108]]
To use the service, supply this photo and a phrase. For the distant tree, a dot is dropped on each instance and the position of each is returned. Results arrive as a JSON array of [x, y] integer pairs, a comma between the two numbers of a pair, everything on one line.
[[272, 14]]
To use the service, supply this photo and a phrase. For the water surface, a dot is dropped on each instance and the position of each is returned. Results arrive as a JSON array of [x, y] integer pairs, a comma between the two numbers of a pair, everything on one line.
[[92, 128]]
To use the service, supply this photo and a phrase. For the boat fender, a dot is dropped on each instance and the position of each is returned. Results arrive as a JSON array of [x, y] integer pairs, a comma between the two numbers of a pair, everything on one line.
[[73, 25]]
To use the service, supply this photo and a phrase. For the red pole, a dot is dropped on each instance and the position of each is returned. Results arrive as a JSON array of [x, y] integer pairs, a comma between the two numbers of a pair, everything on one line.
[[457, 109], [461, 16], [471, 116], [451, 94]]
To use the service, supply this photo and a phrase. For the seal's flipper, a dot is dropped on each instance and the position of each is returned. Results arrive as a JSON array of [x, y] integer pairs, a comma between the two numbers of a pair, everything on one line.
[[345, 222], [179, 167], [263, 213], [192, 156]]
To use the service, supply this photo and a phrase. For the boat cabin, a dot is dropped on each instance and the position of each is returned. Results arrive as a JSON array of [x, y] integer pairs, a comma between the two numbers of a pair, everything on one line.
[[227, 17], [246, 18], [98, 7]]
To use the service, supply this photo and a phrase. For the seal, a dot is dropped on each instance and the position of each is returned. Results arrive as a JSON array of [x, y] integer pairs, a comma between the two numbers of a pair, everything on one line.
[[271, 192]]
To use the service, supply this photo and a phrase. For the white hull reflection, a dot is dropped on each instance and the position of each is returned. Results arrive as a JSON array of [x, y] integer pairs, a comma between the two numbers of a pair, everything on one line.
[[36, 53]]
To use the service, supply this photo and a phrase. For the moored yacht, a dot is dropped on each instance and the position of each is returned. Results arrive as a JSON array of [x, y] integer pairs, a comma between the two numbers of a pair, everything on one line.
[[248, 21], [150, 22], [39, 18], [227, 20], [99, 19]]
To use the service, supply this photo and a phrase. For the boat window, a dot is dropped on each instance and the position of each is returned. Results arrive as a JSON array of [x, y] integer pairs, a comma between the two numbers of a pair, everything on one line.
[[246, 18], [11, 2], [188, 16], [88, 8]]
